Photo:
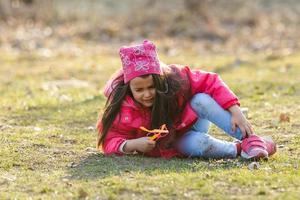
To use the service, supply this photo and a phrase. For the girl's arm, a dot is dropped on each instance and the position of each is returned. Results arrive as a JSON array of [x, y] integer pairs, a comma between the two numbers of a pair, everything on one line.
[[211, 84], [118, 142], [142, 144], [239, 120]]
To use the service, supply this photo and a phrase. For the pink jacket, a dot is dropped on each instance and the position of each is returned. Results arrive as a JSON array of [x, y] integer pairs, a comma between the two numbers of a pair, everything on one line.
[[132, 116]]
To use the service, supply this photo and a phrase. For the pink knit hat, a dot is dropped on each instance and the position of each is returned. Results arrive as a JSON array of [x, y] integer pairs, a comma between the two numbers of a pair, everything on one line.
[[139, 60]]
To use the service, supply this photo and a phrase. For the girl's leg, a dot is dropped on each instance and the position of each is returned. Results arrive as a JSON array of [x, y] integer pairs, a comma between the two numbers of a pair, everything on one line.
[[208, 109], [201, 125], [199, 144]]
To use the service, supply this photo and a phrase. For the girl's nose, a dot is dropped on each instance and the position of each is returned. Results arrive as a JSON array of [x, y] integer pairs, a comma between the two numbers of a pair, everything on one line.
[[147, 93]]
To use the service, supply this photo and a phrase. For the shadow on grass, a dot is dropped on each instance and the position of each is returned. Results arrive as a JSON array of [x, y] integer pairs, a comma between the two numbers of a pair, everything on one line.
[[97, 166]]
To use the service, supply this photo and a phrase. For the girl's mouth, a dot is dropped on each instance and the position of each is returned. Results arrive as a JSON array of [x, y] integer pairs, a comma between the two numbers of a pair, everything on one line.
[[148, 101]]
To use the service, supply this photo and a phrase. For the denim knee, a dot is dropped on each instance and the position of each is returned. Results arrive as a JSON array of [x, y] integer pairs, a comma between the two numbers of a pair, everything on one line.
[[202, 103]]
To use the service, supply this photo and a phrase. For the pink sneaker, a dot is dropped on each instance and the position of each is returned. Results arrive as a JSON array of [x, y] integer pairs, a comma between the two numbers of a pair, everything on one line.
[[255, 147]]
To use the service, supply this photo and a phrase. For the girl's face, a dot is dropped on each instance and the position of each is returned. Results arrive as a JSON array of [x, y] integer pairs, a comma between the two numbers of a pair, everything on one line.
[[143, 90]]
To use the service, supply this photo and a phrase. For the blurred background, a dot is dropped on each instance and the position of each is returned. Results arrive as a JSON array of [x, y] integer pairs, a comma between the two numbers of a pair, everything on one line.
[[56, 56], [51, 27]]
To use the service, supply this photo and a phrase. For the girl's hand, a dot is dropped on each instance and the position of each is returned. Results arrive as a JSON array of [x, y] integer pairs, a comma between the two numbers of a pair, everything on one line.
[[143, 144], [239, 120]]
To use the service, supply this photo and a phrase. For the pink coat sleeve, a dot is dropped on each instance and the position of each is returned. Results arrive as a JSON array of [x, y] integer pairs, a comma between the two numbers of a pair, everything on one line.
[[117, 134], [113, 141], [211, 84]]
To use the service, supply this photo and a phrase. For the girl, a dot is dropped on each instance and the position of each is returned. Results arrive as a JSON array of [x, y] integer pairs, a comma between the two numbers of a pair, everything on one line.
[[147, 94]]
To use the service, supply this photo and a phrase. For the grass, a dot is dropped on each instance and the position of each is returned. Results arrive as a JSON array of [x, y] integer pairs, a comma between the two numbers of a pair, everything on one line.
[[48, 136]]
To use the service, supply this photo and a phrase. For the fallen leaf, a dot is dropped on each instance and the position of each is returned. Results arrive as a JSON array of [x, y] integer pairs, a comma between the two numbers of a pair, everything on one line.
[[284, 117], [82, 193]]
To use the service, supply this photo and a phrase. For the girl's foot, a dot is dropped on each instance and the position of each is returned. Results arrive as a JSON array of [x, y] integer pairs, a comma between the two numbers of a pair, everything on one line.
[[255, 147]]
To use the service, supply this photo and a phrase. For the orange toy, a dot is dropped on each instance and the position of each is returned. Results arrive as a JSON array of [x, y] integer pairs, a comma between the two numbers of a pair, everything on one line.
[[155, 134]]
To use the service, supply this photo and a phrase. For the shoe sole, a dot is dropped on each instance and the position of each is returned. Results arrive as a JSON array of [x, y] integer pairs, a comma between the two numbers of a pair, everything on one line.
[[259, 156]]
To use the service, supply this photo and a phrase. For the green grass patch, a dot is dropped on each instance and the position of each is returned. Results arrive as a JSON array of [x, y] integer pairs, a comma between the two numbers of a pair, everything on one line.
[[48, 137]]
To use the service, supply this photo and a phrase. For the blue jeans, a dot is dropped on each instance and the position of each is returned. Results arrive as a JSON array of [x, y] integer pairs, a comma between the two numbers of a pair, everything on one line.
[[197, 143]]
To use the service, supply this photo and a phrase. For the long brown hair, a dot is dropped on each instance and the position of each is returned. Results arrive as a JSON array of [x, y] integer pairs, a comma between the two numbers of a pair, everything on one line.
[[165, 109]]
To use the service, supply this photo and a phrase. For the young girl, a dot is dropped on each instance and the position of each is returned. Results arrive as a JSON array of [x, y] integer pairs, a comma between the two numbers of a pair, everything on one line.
[[179, 104]]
